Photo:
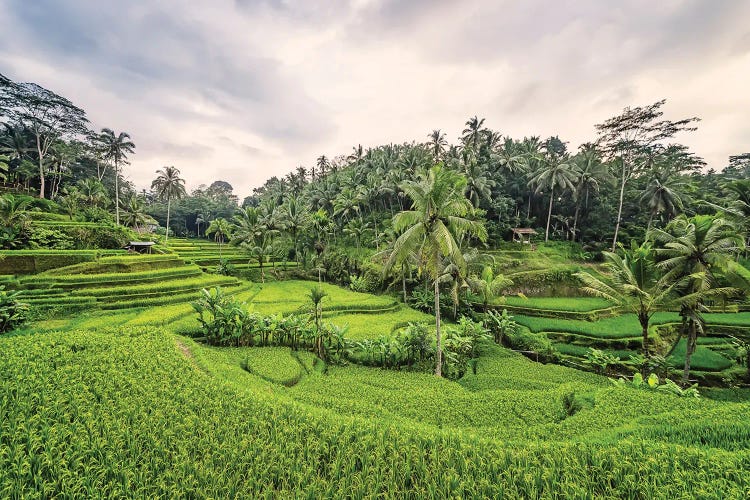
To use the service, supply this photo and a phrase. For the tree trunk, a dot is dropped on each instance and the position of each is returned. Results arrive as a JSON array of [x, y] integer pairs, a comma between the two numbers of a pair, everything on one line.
[[644, 319], [575, 219], [619, 208], [41, 167], [169, 202], [403, 283], [439, 342], [549, 212], [117, 195], [692, 334]]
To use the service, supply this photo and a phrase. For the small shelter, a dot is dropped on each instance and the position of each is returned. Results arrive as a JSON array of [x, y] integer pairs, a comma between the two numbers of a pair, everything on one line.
[[523, 234], [139, 246]]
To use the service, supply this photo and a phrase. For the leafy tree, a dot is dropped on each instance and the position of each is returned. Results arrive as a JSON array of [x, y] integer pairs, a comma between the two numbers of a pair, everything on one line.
[[47, 116], [432, 228], [628, 139], [116, 148], [168, 185]]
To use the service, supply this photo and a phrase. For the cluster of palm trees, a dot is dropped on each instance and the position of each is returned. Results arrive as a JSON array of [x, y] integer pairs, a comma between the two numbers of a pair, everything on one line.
[[683, 267]]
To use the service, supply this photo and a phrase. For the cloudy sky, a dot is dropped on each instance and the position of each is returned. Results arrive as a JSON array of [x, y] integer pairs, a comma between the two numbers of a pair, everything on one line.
[[240, 90]]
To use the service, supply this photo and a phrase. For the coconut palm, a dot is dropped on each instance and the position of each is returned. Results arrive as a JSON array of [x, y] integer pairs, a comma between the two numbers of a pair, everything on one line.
[[634, 283], [592, 173], [221, 229], [478, 184], [556, 172], [437, 144], [489, 284], [92, 191], [135, 214], [168, 185], [664, 194], [694, 251], [116, 148], [473, 132], [432, 228]]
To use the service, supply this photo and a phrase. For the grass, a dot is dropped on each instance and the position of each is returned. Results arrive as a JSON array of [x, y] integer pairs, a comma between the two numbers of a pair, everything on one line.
[[619, 327], [703, 358], [282, 428], [372, 326], [275, 364], [574, 304]]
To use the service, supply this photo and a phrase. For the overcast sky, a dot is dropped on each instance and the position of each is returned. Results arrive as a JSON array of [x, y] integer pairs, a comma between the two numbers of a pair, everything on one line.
[[241, 90]]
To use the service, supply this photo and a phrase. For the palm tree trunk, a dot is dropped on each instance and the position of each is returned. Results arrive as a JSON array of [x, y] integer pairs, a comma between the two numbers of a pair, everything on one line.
[[169, 202], [619, 208], [439, 341], [575, 219], [690, 348], [549, 212], [644, 319], [403, 283], [117, 196]]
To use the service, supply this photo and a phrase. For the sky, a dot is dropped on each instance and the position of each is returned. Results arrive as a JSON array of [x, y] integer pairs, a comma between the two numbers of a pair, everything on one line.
[[241, 90]]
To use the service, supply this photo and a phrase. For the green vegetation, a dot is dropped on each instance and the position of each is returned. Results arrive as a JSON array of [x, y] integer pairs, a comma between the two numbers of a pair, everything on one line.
[[283, 348]]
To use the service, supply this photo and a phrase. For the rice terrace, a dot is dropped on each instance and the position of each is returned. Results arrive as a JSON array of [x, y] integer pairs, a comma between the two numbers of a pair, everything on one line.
[[549, 299]]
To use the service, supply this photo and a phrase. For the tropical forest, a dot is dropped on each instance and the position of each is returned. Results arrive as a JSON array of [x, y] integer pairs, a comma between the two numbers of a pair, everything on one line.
[[474, 315]]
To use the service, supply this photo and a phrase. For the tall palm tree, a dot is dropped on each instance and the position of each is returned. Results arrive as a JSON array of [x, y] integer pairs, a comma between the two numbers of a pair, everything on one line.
[[478, 184], [432, 228], [473, 132], [168, 185], [592, 173], [557, 172], [664, 193], [634, 283], [437, 144], [694, 250], [116, 148]]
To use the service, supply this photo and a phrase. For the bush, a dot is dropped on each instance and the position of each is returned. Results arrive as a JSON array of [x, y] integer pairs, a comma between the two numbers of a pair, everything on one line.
[[522, 339], [13, 313]]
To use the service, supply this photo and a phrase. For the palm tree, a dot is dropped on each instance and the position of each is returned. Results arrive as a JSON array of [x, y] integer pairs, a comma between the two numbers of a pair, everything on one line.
[[478, 184], [511, 158], [135, 214], [694, 250], [168, 185], [557, 172], [221, 229], [635, 283], [489, 284], [70, 200], [664, 193], [431, 230], [592, 173], [199, 219], [437, 144], [92, 191], [116, 148], [294, 217], [473, 132]]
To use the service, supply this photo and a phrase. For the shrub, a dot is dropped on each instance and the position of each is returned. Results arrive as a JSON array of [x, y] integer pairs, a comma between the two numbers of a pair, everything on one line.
[[13, 313], [522, 339]]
